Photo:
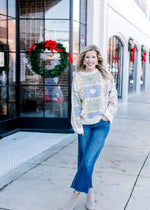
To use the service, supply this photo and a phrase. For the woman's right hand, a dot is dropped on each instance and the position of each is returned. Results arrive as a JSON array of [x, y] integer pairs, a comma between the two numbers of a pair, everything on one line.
[[105, 118]]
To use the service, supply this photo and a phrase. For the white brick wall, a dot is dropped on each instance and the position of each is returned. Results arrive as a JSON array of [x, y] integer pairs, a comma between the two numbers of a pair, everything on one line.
[[93, 22], [97, 24]]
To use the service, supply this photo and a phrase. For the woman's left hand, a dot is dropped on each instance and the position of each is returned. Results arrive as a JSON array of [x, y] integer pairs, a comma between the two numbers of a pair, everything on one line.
[[105, 118]]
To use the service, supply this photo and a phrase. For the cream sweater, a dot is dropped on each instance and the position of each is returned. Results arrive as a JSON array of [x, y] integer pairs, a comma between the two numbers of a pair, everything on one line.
[[92, 97]]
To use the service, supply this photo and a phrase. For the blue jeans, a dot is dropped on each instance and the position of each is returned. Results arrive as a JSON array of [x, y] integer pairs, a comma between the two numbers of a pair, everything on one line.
[[89, 147]]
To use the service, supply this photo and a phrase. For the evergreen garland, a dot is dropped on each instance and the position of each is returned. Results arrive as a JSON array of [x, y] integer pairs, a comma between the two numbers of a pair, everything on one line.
[[130, 46]]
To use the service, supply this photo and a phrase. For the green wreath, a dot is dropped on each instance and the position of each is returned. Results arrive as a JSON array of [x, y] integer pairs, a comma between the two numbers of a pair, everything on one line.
[[34, 54]]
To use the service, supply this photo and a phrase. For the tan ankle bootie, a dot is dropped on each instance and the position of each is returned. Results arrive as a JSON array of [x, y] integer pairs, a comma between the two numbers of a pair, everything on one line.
[[90, 200]]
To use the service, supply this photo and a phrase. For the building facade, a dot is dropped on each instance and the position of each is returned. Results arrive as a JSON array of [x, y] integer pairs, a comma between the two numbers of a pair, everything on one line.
[[122, 31], [28, 101]]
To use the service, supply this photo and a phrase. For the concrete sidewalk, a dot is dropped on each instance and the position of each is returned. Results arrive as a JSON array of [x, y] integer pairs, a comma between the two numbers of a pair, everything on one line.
[[121, 176]]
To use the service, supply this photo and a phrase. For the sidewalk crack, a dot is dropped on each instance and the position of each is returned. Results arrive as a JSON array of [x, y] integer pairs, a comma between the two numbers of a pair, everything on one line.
[[136, 181]]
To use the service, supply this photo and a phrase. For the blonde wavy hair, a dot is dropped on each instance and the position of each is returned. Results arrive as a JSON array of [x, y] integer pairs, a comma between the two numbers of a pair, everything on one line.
[[99, 66]]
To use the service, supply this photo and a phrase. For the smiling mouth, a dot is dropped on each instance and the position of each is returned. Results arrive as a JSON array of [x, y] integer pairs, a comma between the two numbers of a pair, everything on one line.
[[90, 64]]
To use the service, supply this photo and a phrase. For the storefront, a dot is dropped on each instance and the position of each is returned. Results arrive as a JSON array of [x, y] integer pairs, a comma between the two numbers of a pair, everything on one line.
[[133, 59], [115, 61], [28, 100]]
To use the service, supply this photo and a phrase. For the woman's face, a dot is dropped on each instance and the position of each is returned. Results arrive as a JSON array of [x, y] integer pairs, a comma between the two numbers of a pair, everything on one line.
[[90, 60]]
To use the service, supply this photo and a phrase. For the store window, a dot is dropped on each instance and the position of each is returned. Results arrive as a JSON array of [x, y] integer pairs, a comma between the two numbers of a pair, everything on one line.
[[48, 20], [27, 98], [7, 60], [115, 61], [132, 69], [39, 21]]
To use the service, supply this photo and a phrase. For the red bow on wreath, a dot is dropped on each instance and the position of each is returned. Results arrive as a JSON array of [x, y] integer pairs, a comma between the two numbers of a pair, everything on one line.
[[52, 45]]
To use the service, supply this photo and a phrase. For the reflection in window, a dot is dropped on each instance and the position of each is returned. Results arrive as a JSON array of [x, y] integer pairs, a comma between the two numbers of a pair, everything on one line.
[[3, 29], [12, 68], [27, 76], [12, 101], [3, 77], [31, 31], [12, 34], [50, 100], [3, 103], [115, 61], [58, 30], [3, 7], [31, 9], [132, 70], [12, 8], [57, 9]]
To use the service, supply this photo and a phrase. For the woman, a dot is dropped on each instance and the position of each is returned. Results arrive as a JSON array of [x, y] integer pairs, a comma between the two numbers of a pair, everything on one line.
[[94, 105]]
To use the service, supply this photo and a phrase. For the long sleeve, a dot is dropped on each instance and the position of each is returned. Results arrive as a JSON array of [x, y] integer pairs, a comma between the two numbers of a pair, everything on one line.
[[112, 103], [76, 107]]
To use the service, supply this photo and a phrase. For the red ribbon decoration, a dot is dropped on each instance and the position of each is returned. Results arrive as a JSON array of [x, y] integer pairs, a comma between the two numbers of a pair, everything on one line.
[[144, 56], [133, 49], [132, 54], [31, 48], [115, 58], [52, 45]]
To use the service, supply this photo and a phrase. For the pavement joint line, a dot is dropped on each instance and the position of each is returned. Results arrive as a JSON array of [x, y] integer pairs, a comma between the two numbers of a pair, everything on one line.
[[37, 164], [108, 146], [138, 103], [135, 119], [136, 180], [57, 166], [145, 176]]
